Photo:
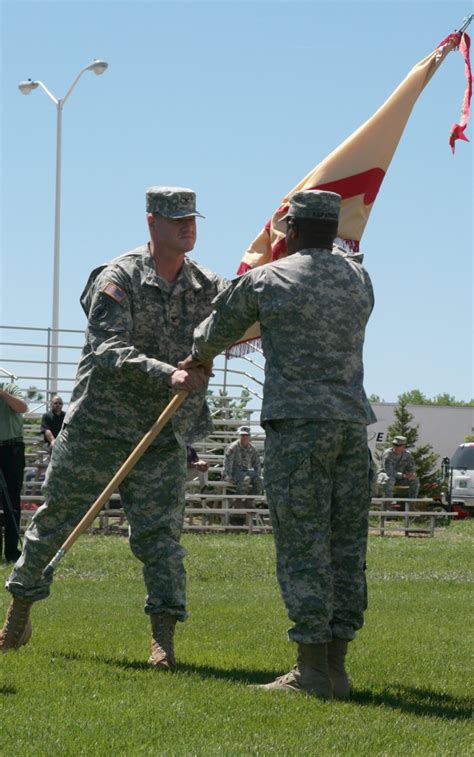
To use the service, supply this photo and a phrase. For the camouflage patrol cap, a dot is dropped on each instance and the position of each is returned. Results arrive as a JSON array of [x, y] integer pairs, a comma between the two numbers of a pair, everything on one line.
[[314, 203], [398, 441], [171, 202], [244, 430]]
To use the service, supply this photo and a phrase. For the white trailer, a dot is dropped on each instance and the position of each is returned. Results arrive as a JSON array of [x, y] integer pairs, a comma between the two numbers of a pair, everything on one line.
[[442, 426]]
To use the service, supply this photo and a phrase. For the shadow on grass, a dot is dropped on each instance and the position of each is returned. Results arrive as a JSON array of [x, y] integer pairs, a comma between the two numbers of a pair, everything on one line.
[[5, 690], [423, 702], [242, 675], [417, 701]]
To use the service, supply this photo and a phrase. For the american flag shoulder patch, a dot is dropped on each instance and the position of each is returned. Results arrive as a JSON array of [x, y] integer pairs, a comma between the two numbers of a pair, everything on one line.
[[114, 292]]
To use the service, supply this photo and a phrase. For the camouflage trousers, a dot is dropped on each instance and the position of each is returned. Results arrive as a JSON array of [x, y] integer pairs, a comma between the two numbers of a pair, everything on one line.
[[317, 487], [255, 482], [413, 487], [153, 500]]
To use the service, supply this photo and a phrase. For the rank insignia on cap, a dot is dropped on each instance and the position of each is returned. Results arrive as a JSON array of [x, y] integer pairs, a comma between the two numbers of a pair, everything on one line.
[[114, 292]]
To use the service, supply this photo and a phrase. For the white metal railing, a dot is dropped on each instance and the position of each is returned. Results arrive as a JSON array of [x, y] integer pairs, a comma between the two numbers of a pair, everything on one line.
[[26, 359]]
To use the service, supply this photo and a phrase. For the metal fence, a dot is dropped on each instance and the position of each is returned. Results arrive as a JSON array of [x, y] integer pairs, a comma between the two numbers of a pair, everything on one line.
[[26, 358]]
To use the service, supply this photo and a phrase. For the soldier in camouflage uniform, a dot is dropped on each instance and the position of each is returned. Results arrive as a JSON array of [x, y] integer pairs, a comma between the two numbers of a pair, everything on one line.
[[313, 307], [399, 468], [241, 459], [142, 309]]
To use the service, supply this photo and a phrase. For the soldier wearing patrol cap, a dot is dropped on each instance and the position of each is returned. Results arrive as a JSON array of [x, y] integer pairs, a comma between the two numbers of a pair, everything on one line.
[[399, 469], [141, 308], [313, 307], [172, 202], [241, 461]]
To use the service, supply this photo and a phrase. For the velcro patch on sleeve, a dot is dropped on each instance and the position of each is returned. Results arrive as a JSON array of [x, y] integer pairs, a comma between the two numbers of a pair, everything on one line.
[[114, 292]]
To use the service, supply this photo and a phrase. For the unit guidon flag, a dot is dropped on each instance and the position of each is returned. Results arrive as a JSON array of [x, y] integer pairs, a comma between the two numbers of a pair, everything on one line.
[[357, 167]]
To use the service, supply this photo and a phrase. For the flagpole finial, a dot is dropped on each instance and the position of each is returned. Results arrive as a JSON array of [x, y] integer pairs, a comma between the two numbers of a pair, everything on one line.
[[465, 23]]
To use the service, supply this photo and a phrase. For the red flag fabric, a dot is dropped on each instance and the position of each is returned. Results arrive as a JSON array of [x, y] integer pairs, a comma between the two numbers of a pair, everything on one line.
[[457, 131]]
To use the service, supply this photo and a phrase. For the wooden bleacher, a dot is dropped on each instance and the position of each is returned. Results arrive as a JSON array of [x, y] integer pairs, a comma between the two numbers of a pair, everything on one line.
[[219, 509], [219, 494]]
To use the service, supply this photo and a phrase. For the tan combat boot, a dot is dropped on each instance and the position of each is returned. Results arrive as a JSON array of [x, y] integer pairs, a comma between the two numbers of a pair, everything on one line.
[[341, 686], [17, 629], [162, 652], [310, 674]]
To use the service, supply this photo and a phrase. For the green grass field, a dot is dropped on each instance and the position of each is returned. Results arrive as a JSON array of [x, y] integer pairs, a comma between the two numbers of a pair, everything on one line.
[[82, 685]]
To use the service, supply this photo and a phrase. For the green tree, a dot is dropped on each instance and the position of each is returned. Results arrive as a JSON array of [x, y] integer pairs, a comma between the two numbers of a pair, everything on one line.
[[445, 399], [222, 407], [450, 399], [425, 457], [375, 398], [414, 397], [402, 425]]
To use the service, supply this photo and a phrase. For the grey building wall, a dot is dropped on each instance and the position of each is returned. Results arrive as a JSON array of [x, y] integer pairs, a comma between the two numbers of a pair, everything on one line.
[[442, 426]]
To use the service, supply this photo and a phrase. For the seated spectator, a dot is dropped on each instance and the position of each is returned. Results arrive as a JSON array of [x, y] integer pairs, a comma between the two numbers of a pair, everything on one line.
[[399, 469], [51, 422], [195, 465], [241, 460]]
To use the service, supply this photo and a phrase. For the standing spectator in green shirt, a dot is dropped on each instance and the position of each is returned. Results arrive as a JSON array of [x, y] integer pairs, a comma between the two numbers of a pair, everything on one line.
[[12, 464]]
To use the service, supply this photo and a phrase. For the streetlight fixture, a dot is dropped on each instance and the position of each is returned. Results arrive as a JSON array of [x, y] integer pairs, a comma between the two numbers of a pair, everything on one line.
[[25, 87]]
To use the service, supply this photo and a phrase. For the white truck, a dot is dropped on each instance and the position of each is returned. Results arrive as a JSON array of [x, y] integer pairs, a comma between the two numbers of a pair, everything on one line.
[[460, 471]]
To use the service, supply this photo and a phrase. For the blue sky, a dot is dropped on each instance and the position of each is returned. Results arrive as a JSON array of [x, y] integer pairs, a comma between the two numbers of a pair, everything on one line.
[[239, 100]]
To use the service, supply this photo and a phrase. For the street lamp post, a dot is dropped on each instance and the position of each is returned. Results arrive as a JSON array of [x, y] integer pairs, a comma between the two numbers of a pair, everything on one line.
[[25, 87]]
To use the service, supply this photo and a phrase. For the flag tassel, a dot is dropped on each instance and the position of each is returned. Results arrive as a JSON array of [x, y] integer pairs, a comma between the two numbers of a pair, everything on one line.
[[457, 130]]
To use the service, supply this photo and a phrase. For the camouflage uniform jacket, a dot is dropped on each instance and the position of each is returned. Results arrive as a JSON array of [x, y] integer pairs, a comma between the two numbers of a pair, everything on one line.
[[393, 464], [313, 307], [242, 458], [138, 330]]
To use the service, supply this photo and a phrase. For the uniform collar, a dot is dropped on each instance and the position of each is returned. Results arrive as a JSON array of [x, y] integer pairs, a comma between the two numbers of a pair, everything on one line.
[[187, 278]]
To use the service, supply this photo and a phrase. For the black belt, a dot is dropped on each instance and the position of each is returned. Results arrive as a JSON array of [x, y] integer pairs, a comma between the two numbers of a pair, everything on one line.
[[11, 442]]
